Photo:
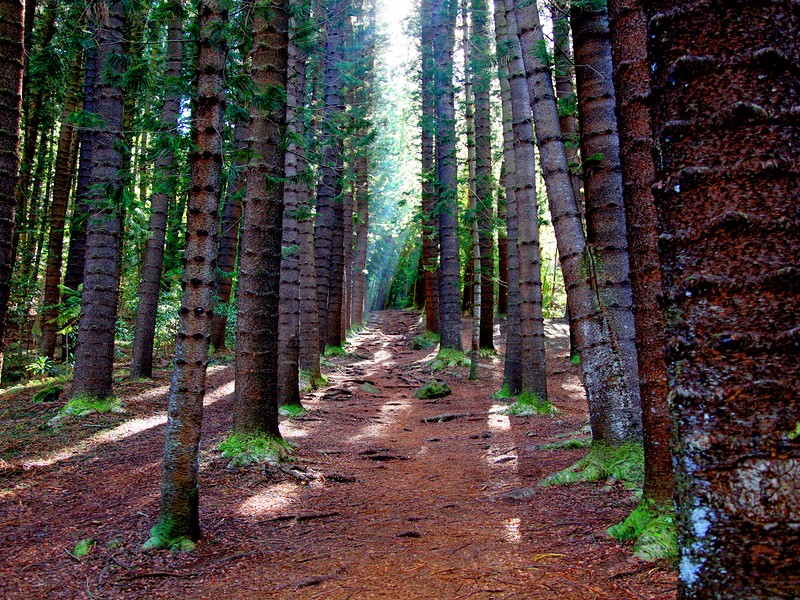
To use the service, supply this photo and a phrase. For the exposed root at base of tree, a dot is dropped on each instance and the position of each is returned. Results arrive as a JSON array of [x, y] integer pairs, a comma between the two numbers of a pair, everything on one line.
[[623, 463]]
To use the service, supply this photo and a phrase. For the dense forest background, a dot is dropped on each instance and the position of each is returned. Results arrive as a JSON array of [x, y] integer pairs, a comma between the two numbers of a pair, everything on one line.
[[189, 182]]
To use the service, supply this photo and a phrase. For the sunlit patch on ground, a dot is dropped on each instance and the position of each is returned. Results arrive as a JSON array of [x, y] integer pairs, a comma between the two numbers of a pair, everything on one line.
[[511, 529], [271, 500], [498, 421]]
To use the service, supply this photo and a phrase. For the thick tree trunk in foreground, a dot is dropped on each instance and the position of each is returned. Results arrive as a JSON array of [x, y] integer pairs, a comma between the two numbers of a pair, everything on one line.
[[150, 286], [359, 276], [612, 411], [532, 355], [724, 111], [430, 230], [502, 249], [512, 370], [255, 405], [443, 24], [179, 523], [632, 79], [62, 187], [11, 47], [602, 177], [94, 354]]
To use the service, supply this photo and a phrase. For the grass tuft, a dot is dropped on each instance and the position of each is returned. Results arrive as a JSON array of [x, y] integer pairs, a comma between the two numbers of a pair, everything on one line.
[[624, 463], [334, 351], [246, 449], [447, 357], [528, 404], [162, 536], [573, 444], [503, 393], [654, 530]]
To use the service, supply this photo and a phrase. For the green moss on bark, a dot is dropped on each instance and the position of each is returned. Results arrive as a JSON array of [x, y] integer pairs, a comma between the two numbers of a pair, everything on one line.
[[654, 530], [164, 537], [427, 340], [529, 404], [624, 463], [246, 449], [309, 383], [503, 393]]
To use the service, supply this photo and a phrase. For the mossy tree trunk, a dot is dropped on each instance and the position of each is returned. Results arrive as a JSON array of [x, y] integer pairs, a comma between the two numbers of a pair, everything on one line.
[[724, 111]]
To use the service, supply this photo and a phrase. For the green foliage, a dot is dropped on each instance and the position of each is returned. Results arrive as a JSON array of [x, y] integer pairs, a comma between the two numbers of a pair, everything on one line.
[[529, 404], [589, 5], [653, 528], [162, 536], [246, 449], [292, 410], [793, 435], [83, 547], [429, 339], [503, 393], [448, 357], [41, 367], [623, 463], [334, 351], [84, 405], [570, 444], [568, 107], [50, 393], [433, 389]]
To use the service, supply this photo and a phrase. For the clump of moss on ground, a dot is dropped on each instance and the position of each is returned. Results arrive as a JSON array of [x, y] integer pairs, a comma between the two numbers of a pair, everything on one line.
[[83, 405], [309, 383], [529, 404], [503, 393], [246, 449], [654, 530], [429, 339], [162, 536], [292, 410], [334, 351], [624, 463], [447, 357]]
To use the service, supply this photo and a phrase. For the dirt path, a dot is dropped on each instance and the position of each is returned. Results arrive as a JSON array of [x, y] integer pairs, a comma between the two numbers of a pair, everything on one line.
[[406, 498]]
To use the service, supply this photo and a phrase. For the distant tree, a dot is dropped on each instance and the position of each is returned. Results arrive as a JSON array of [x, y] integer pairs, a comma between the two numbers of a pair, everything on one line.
[[94, 354], [724, 112], [179, 524], [443, 18], [12, 13]]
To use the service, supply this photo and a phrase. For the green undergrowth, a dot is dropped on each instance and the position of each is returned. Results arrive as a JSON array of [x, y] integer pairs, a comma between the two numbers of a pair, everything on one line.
[[572, 444], [448, 357], [309, 383], [84, 405], [529, 404], [163, 536], [83, 547], [292, 410], [623, 463], [653, 529], [487, 352], [246, 449], [503, 393], [334, 351], [429, 339]]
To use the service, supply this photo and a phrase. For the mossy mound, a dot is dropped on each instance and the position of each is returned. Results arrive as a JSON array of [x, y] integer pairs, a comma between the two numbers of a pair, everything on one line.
[[292, 410], [309, 382], [654, 530], [433, 389], [247, 449], [527, 405], [503, 393], [48, 394], [572, 444], [83, 548], [370, 389], [164, 537], [428, 339], [84, 405], [334, 351], [624, 463], [447, 357]]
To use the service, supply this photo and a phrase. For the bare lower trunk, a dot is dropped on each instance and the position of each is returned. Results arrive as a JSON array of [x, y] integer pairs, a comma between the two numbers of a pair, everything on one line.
[[360, 251], [94, 354], [255, 405], [611, 409], [724, 112], [150, 286], [502, 251], [178, 519]]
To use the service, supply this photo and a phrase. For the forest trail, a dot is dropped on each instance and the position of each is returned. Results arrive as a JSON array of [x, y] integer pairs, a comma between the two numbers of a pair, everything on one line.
[[404, 498]]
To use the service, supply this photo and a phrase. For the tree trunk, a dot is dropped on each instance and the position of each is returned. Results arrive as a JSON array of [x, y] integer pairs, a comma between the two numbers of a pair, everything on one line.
[[165, 185], [502, 248], [531, 346], [58, 212], [443, 25], [255, 405], [178, 518], [602, 177], [94, 354], [724, 112], [610, 406], [632, 79], [12, 31], [362, 228], [512, 369], [328, 243]]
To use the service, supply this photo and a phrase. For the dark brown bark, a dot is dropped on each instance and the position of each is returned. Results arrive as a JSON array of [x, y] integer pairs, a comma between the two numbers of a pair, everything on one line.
[[602, 178], [481, 64], [11, 48], [76, 256], [443, 25], [532, 355], [512, 369], [94, 355], [632, 81], [502, 249], [255, 405], [724, 109], [610, 406], [178, 519], [229, 237], [58, 211], [165, 182], [328, 242], [359, 276], [430, 229]]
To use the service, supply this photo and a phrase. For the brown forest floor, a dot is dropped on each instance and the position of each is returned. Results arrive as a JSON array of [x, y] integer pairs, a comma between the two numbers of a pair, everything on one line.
[[396, 507]]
